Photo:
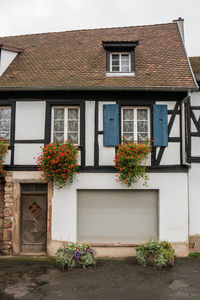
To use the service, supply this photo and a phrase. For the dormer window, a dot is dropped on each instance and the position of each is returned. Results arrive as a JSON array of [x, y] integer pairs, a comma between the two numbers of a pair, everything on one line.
[[120, 62], [120, 58]]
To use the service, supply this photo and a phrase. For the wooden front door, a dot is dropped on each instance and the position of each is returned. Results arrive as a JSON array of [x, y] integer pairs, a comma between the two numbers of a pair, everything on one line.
[[33, 218]]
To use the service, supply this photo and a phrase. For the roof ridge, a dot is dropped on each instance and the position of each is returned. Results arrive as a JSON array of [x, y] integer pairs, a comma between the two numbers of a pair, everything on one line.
[[88, 29]]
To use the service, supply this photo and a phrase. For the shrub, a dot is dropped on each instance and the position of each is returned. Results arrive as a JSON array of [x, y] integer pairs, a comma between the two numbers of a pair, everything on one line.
[[157, 253], [3, 151], [74, 255], [58, 163], [194, 254], [128, 160]]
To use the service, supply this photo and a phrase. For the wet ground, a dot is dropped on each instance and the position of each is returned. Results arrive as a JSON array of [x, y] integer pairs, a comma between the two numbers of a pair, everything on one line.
[[38, 279]]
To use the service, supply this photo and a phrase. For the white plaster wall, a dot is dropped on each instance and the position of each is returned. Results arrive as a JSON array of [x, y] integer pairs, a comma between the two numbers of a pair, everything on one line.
[[170, 104], [171, 155], [106, 154], [195, 141], [100, 125], [5, 60], [194, 198], [89, 132], [195, 146], [195, 98], [197, 115], [173, 204], [175, 131], [30, 120], [24, 153]]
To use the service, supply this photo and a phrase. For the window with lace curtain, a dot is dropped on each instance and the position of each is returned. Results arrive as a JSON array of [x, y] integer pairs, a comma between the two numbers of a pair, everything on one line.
[[66, 124]]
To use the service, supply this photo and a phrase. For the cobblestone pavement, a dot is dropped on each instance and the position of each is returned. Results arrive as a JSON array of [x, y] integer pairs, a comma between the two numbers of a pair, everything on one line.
[[38, 279]]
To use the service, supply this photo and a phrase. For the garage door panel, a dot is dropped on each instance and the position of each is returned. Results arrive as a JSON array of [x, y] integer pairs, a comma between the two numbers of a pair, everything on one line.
[[117, 216]]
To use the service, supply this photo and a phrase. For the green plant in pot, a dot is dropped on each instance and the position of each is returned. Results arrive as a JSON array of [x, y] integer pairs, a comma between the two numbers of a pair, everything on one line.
[[73, 255], [155, 253]]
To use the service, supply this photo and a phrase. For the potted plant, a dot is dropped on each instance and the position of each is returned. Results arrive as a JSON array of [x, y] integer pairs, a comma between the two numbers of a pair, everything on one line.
[[155, 253], [59, 163], [130, 162], [74, 255]]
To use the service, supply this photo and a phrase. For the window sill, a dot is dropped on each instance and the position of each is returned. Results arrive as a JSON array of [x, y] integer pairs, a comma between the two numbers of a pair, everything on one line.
[[120, 74]]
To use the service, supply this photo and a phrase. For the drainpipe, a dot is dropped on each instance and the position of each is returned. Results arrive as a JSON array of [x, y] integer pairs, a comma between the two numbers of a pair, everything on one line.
[[184, 162]]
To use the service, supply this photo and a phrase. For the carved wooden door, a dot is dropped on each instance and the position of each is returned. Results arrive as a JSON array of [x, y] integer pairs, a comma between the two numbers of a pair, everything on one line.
[[33, 222]]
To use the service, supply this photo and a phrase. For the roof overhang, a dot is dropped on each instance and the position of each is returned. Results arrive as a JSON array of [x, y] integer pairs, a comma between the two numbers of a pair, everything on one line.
[[99, 88], [114, 45], [10, 48]]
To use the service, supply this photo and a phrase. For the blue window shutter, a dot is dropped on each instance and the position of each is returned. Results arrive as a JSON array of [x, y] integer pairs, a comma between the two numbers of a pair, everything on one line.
[[160, 125], [111, 125]]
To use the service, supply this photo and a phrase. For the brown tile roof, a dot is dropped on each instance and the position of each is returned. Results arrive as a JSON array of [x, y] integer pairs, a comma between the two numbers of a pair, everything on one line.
[[78, 59], [195, 63]]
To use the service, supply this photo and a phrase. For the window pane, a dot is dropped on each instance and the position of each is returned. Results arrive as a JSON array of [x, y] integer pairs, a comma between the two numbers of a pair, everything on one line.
[[127, 137], [128, 126], [5, 125], [115, 69], [73, 114], [142, 126], [125, 68], [58, 136], [142, 114], [73, 137], [58, 125], [5, 135], [5, 113], [59, 113], [142, 137], [125, 63], [115, 62], [128, 114], [5, 116], [72, 126], [115, 56]]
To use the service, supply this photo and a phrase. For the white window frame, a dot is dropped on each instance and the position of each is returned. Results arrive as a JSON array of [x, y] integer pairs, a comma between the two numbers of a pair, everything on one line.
[[65, 121], [10, 118], [135, 132], [120, 60]]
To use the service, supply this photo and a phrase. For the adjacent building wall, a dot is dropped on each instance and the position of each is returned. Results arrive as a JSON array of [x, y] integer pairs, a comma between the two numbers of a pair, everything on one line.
[[194, 179]]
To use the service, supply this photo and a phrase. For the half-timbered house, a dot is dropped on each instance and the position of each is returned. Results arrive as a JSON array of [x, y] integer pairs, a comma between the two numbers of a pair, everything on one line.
[[99, 88]]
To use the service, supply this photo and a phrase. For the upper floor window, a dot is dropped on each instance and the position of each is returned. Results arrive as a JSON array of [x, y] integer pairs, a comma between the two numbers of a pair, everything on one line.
[[66, 124], [120, 58], [5, 122], [120, 62], [135, 124]]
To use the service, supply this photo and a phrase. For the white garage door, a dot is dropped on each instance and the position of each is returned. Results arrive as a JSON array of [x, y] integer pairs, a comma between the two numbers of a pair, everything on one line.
[[106, 216]]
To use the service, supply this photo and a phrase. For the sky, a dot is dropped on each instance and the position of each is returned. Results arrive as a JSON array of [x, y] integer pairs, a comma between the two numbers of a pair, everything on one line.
[[35, 16]]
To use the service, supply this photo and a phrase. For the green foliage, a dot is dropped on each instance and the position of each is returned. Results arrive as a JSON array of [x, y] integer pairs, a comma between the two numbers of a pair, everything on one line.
[[194, 254], [74, 255], [161, 251], [129, 160], [3, 151], [58, 163]]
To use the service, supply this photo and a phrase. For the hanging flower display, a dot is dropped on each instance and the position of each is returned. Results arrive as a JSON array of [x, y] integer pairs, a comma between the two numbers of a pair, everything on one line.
[[129, 161], [59, 163], [3, 151]]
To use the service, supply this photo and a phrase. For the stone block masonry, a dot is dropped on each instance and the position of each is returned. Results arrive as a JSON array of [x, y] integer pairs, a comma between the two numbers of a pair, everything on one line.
[[6, 215]]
